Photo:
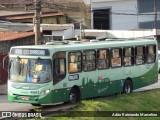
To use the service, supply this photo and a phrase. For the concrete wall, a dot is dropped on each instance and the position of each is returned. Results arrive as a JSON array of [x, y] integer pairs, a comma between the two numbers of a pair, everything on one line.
[[66, 34], [6, 45], [69, 33], [119, 20]]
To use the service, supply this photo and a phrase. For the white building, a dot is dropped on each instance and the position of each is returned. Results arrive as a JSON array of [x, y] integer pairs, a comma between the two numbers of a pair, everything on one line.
[[58, 31], [124, 14], [49, 31]]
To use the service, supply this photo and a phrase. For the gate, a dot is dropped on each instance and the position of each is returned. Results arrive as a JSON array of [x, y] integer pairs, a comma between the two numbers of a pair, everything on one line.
[[3, 73]]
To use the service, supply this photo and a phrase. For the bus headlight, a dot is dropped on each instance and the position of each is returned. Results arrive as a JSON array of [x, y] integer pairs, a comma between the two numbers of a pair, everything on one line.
[[45, 92]]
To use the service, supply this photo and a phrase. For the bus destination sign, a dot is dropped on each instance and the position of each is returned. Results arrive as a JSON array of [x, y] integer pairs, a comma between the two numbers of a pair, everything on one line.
[[32, 52]]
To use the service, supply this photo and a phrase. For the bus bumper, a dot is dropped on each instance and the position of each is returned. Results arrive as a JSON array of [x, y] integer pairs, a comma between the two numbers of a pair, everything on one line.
[[30, 99]]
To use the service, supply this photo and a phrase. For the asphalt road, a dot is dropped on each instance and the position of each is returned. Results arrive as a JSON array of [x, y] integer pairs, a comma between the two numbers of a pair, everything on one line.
[[5, 105]]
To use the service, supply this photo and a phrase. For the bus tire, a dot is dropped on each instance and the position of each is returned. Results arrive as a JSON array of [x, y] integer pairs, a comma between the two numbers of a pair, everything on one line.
[[36, 104], [127, 87], [73, 96]]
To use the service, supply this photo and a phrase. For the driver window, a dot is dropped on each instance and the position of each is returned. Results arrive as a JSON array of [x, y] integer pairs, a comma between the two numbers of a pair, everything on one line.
[[59, 66]]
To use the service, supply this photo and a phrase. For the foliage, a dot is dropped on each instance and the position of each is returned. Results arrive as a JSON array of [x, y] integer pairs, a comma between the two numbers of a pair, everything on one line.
[[140, 101]]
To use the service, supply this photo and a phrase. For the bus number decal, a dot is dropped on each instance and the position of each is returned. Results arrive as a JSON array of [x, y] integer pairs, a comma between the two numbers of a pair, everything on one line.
[[34, 92], [73, 77]]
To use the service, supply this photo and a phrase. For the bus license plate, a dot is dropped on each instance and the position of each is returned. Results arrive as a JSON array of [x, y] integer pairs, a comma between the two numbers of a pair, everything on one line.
[[25, 98]]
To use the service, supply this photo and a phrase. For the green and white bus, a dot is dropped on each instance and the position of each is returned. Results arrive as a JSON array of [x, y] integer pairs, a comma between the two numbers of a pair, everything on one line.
[[68, 72]]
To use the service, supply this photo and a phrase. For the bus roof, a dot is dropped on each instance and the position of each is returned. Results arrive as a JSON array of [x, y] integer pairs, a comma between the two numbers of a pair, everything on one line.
[[93, 44]]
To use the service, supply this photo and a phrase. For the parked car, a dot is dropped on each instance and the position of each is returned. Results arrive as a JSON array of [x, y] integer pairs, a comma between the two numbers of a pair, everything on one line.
[[159, 61]]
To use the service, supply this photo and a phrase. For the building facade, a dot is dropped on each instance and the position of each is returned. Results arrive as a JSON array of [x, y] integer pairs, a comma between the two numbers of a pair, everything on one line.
[[76, 11], [28, 17], [9, 39], [124, 14], [57, 32]]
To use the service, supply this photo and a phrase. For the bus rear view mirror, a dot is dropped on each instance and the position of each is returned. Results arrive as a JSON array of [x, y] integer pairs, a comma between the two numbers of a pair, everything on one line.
[[5, 62]]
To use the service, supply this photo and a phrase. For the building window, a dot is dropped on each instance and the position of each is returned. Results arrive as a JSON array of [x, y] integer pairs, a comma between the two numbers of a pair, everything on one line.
[[101, 19], [149, 24], [102, 59], [57, 38], [116, 55], [75, 62], [145, 6], [89, 61], [47, 32]]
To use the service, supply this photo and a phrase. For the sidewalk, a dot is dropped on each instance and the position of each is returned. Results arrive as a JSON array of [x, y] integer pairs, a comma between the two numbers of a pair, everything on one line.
[[3, 89], [150, 87]]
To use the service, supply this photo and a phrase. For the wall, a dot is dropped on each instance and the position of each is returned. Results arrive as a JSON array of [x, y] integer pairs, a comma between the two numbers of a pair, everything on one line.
[[69, 33], [122, 14], [146, 14], [53, 20], [44, 20], [66, 34], [77, 12], [6, 45]]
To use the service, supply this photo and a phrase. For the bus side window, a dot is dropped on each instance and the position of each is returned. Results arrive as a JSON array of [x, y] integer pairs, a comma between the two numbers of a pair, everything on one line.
[[151, 54], [140, 55], [128, 58], [59, 66], [75, 62], [102, 59], [116, 57], [89, 60]]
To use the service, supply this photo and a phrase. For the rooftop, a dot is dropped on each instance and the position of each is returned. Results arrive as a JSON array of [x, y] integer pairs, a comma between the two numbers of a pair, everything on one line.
[[6, 36], [23, 27], [15, 27], [31, 1], [57, 27], [8, 15]]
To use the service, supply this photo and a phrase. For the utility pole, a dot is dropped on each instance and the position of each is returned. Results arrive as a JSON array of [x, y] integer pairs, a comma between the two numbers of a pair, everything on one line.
[[155, 14], [91, 14], [80, 37], [37, 21]]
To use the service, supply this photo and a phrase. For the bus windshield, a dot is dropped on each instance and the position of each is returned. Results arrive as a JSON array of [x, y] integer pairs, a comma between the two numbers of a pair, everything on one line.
[[30, 70]]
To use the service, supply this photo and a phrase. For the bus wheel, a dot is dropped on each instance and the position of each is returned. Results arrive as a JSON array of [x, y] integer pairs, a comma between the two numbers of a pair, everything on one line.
[[127, 88], [73, 96], [36, 104]]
